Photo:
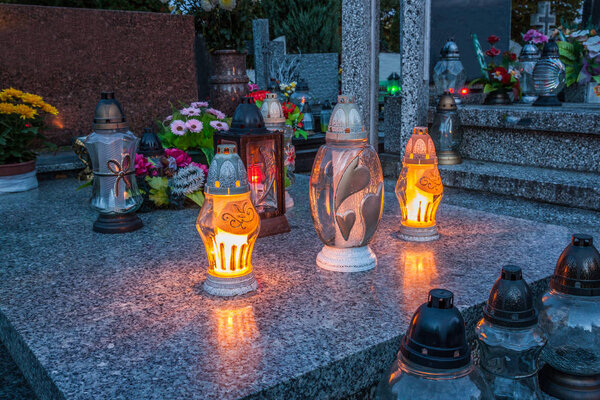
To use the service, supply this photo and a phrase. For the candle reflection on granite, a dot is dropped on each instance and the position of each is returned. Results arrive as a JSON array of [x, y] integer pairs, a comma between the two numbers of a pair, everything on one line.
[[235, 325], [419, 273]]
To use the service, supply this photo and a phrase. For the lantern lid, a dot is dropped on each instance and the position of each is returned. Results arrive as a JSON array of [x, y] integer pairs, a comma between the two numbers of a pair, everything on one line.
[[577, 270], [450, 50], [109, 113], [436, 336], [446, 103], [227, 174], [420, 148], [393, 77], [510, 302], [272, 112], [345, 122], [150, 144], [247, 119], [550, 49], [529, 52]]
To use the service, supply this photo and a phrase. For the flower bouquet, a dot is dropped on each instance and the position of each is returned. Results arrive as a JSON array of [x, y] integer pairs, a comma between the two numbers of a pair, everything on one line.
[[192, 128], [293, 116], [168, 181], [498, 79]]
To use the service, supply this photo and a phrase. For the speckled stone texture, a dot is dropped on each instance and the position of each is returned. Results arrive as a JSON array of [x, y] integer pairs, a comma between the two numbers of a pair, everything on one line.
[[70, 55], [320, 70], [358, 46], [94, 316]]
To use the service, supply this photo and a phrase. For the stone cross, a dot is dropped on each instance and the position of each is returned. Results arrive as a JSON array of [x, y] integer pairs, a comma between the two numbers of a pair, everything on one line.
[[543, 17]]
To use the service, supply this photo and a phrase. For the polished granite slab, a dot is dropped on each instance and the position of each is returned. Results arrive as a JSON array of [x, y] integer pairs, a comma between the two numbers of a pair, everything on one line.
[[91, 316]]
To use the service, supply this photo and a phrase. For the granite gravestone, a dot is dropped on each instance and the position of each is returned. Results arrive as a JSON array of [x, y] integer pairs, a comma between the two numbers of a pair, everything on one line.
[[458, 19], [591, 12]]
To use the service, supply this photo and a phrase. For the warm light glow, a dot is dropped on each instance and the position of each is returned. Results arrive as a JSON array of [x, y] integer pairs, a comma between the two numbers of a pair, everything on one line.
[[464, 91], [419, 274], [235, 325], [229, 229], [421, 205], [451, 90], [255, 174]]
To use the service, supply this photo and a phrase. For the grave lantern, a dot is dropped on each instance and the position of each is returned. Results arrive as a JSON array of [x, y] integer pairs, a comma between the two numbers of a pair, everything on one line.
[[272, 113], [527, 59], [111, 147], [393, 84], [228, 224], [510, 340], [570, 315], [419, 188], [150, 146], [325, 115], [449, 75], [308, 120], [446, 131], [346, 192], [549, 76], [261, 151], [434, 361], [301, 95]]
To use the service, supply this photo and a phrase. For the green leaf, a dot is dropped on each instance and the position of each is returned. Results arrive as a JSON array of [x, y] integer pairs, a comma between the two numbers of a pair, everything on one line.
[[157, 182], [159, 197], [488, 88], [87, 184], [301, 132], [596, 78], [197, 197], [209, 153]]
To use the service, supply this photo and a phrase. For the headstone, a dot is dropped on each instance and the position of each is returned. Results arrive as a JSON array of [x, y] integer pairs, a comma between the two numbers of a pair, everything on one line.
[[260, 35], [543, 19], [320, 71], [360, 50], [458, 19], [591, 12]]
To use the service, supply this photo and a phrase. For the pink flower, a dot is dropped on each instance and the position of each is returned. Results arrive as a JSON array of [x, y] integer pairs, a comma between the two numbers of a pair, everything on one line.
[[534, 36], [194, 125], [220, 126], [181, 157], [178, 127], [216, 113], [203, 167], [493, 52], [142, 165], [252, 87], [190, 112], [199, 104], [170, 117]]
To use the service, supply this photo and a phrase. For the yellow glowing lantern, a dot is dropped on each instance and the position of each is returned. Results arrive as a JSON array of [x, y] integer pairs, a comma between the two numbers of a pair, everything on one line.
[[419, 188], [228, 224]]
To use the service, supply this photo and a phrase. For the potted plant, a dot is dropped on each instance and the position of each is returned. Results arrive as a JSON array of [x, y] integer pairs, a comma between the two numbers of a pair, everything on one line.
[[226, 26], [498, 79], [21, 124]]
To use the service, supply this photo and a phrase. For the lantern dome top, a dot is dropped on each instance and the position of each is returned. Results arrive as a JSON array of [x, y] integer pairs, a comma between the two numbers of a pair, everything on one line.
[[529, 52], [346, 122], [450, 50], [436, 336], [511, 301], [446, 103], [227, 174], [109, 113], [272, 112], [150, 144], [577, 270], [550, 49], [247, 119], [420, 148]]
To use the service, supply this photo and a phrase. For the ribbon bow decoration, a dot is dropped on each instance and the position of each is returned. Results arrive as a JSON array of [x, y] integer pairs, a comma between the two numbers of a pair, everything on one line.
[[121, 171]]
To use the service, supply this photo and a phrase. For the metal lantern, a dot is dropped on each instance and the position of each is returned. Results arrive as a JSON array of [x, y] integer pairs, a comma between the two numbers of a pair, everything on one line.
[[228, 224], [393, 84], [111, 147], [301, 95], [346, 192], [434, 361], [419, 188], [449, 75], [570, 315], [549, 76], [528, 57], [150, 145], [446, 131], [261, 152], [325, 115], [510, 340]]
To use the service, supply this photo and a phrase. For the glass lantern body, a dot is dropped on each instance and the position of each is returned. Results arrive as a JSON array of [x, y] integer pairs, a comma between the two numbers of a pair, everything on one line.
[[301, 96], [346, 193], [509, 359], [419, 191], [229, 226], [526, 80], [449, 76], [410, 382], [446, 132], [573, 327], [325, 116], [114, 189], [549, 76]]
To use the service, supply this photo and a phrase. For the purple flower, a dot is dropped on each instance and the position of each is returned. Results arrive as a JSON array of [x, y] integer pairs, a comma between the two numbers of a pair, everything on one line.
[[252, 87], [203, 167], [170, 117], [199, 104], [194, 125], [535, 36], [178, 127], [190, 111], [220, 126], [216, 113]]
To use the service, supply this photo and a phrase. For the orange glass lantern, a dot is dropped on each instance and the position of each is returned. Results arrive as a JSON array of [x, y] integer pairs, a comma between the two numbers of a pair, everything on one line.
[[228, 224], [419, 188]]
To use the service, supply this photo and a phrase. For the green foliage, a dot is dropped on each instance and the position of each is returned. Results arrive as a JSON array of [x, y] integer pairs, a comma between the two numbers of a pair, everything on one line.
[[571, 54], [309, 26], [197, 197], [159, 185], [125, 5], [567, 10], [390, 26]]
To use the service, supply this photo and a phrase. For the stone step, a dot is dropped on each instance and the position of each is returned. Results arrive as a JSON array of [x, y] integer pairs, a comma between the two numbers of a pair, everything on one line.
[[570, 188]]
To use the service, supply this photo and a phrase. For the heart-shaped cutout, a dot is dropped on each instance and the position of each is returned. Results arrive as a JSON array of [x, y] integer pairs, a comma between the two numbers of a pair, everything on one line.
[[346, 222], [372, 205], [354, 179]]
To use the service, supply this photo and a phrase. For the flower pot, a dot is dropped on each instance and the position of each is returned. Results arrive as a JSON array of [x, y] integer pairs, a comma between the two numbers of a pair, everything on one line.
[[592, 92], [497, 97], [18, 177], [228, 82]]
